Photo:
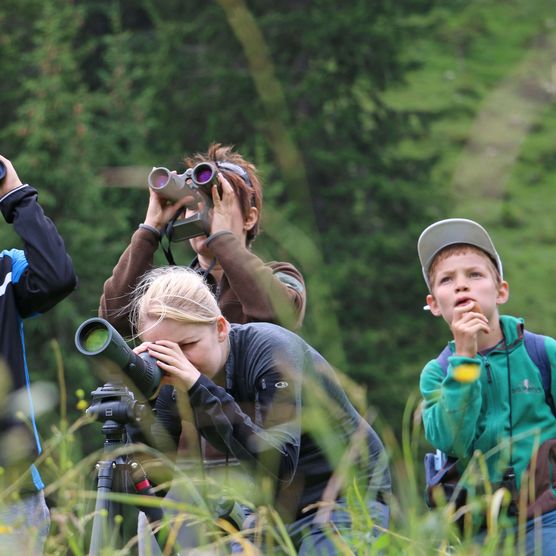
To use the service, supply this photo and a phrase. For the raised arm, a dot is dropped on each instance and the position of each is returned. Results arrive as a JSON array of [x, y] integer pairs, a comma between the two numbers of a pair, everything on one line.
[[257, 418], [43, 273], [134, 262], [272, 292], [116, 294]]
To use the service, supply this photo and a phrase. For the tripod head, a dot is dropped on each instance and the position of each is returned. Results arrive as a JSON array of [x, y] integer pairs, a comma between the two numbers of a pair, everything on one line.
[[115, 405]]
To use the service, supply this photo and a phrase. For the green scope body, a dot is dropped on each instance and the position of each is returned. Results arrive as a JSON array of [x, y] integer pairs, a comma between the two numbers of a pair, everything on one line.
[[96, 337]]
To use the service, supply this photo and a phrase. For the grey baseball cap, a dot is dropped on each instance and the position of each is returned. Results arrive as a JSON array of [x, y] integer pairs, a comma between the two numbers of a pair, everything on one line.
[[450, 232]]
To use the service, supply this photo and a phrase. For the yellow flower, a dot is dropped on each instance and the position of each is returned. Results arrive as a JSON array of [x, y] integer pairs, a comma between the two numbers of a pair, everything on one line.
[[468, 372], [6, 529], [82, 405]]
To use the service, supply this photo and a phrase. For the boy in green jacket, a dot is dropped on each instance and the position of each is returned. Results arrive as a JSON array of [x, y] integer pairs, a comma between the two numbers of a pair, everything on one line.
[[490, 398]]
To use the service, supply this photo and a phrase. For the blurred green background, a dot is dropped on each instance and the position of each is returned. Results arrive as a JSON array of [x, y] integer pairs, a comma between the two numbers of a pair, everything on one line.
[[368, 119]]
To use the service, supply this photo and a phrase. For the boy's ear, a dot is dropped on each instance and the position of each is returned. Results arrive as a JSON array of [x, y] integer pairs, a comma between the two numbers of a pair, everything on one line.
[[503, 293], [433, 306]]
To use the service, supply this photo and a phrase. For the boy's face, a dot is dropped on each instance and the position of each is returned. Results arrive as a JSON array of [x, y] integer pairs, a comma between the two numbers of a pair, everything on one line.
[[461, 280]]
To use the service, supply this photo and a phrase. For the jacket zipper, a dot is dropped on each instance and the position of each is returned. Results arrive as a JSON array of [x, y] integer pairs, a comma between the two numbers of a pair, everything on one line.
[[489, 373]]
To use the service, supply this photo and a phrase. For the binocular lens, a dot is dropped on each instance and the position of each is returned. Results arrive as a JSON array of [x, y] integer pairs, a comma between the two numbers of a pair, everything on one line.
[[203, 173], [94, 338], [2, 170], [159, 179]]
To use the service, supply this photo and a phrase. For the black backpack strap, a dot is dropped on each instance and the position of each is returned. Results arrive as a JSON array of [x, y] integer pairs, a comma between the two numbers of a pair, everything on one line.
[[536, 348]]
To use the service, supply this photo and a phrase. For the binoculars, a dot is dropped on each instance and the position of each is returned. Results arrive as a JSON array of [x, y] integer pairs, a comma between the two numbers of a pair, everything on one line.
[[176, 186], [98, 338], [2, 170]]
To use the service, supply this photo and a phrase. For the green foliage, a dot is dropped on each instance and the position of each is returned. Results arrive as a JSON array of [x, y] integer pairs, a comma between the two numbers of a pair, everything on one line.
[[369, 121], [111, 84]]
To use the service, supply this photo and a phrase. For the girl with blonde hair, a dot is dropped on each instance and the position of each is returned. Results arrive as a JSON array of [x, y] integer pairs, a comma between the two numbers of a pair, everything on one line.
[[260, 394]]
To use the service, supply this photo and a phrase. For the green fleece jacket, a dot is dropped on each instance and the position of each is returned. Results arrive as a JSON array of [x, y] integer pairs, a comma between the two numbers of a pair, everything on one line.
[[460, 418]]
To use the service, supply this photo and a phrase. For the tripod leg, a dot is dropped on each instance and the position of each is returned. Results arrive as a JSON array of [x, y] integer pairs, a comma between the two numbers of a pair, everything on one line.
[[154, 514], [105, 511]]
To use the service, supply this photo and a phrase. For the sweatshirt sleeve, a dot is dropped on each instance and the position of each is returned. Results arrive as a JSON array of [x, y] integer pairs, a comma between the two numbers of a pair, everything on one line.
[[48, 275], [134, 262], [272, 292], [451, 408], [273, 445]]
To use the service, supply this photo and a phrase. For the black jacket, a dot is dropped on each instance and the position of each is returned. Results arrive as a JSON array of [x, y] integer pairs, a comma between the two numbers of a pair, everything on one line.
[[32, 281], [267, 417]]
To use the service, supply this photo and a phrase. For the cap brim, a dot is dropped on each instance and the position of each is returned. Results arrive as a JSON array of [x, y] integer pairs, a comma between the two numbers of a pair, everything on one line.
[[451, 232]]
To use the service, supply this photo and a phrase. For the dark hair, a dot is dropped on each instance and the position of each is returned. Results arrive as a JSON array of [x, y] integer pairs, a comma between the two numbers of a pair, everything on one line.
[[249, 195]]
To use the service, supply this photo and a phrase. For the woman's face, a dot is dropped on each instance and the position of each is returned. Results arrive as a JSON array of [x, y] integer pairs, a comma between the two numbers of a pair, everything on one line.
[[204, 345]]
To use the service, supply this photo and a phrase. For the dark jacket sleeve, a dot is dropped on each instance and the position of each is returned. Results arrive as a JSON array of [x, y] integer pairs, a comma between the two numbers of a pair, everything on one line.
[[273, 443], [134, 262], [273, 292], [160, 430], [167, 427], [49, 276]]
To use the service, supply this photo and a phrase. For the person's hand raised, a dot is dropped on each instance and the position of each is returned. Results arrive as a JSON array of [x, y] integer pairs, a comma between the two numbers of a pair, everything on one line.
[[467, 323], [177, 369], [11, 179], [160, 211], [222, 213]]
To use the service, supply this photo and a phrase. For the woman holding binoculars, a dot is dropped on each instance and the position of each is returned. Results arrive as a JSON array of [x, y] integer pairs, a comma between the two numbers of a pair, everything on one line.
[[247, 289]]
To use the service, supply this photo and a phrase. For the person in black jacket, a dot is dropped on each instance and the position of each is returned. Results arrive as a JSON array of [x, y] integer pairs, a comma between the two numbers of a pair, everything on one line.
[[266, 399], [32, 281]]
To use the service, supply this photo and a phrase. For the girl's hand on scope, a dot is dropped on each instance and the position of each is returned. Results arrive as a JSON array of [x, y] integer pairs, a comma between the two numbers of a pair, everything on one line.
[[178, 371]]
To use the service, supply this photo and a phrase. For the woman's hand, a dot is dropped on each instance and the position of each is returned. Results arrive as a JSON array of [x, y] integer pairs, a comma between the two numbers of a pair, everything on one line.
[[160, 211], [223, 210], [178, 371]]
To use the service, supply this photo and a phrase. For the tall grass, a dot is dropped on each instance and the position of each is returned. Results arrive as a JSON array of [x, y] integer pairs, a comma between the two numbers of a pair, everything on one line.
[[68, 464]]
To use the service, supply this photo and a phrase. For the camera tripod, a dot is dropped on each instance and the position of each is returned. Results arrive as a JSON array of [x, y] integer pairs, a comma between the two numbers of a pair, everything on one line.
[[115, 405]]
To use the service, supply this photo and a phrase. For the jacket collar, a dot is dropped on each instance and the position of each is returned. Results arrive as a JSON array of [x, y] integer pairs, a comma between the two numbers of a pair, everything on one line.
[[512, 328]]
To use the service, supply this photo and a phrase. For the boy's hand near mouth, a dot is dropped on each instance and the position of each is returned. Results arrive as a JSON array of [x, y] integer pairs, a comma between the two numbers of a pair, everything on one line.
[[468, 321]]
